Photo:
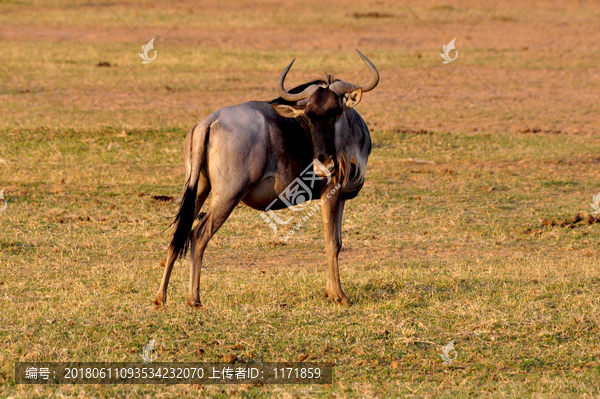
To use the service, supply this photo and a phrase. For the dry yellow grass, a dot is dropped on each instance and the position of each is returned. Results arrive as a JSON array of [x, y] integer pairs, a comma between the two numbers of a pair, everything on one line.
[[453, 249]]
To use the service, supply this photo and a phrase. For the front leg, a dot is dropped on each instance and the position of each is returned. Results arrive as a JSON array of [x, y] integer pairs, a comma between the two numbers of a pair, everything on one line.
[[332, 209]]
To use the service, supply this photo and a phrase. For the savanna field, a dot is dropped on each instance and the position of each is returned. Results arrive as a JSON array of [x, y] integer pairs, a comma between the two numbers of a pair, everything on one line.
[[474, 223]]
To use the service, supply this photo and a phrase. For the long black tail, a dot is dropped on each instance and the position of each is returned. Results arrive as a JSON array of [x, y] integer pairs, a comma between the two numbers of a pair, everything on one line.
[[184, 220]]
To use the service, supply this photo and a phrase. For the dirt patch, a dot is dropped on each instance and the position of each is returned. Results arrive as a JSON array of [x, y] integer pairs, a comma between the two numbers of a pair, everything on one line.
[[358, 15], [542, 131], [163, 198], [577, 220]]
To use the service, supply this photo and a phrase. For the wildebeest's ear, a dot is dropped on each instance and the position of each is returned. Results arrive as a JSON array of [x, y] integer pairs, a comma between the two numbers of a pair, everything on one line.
[[288, 111], [354, 98]]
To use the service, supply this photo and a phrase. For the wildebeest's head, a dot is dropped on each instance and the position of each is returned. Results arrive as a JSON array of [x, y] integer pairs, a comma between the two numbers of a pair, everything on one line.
[[324, 104]]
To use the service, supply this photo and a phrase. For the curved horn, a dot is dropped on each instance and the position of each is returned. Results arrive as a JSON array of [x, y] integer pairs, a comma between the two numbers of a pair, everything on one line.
[[341, 87], [289, 96]]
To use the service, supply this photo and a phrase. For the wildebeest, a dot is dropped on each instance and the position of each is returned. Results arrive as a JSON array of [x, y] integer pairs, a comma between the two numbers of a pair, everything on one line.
[[253, 151]]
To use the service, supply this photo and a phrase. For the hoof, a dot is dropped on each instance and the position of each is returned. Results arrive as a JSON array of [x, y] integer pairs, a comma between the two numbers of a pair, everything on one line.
[[194, 304], [340, 299], [159, 302]]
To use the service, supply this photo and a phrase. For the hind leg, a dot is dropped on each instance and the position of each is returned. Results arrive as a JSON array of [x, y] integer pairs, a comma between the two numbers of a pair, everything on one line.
[[161, 295], [218, 213]]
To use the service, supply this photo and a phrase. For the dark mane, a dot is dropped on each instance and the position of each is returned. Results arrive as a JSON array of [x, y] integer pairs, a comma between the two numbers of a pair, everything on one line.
[[329, 79]]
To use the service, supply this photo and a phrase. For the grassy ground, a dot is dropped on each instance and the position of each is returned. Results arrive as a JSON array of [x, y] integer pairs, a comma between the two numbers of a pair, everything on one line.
[[453, 249]]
